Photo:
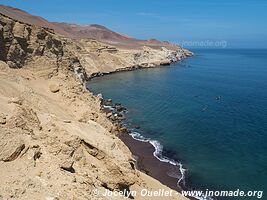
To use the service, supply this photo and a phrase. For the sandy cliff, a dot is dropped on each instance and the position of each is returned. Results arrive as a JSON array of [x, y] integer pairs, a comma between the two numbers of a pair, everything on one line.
[[55, 142]]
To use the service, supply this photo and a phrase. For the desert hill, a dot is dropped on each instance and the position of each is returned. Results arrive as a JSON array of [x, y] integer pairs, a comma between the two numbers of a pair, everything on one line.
[[75, 31]]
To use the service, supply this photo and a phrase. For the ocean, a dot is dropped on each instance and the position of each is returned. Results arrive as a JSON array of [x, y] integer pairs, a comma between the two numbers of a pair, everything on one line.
[[209, 112]]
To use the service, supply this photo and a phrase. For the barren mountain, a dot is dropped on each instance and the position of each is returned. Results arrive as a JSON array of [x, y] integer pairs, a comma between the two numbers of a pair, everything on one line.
[[75, 31]]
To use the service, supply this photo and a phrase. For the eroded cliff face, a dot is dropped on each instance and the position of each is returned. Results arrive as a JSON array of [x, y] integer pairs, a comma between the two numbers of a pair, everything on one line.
[[55, 142], [23, 44], [99, 58]]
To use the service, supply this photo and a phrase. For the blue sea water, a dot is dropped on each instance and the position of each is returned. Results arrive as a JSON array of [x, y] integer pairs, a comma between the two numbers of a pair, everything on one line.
[[208, 111]]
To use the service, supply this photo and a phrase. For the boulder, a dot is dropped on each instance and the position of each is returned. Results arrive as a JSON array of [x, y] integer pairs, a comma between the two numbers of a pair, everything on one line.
[[54, 88], [109, 115], [18, 30], [10, 149], [15, 100], [67, 165], [120, 108], [107, 102], [123, 130], [2, 118]]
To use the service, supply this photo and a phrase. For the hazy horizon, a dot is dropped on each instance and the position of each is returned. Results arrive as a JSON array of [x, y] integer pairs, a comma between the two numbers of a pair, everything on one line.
[[192, 24]]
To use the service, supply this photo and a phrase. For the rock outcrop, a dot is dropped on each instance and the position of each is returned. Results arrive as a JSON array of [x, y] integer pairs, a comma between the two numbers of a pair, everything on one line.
[[23, 44]]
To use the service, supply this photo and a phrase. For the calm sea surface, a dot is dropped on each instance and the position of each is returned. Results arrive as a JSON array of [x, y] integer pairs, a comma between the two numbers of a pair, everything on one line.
[[208, 111]]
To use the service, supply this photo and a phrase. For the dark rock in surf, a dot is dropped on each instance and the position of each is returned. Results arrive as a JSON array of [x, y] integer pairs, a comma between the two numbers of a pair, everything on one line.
[[120, 108]]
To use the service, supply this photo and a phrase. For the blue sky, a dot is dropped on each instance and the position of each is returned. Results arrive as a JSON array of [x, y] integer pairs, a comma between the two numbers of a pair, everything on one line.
[[241, 23]]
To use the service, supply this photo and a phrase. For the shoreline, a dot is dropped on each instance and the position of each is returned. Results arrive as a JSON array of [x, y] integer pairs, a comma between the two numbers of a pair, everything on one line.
[[143, 152], [186, 54], [147, 152], [127, 69]]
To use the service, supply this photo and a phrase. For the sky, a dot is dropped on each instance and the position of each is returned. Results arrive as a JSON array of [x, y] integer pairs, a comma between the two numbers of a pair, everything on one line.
[[190, 23]]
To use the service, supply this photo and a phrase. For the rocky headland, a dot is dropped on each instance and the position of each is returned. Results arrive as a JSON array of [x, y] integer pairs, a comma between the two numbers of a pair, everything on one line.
[[56, 140]]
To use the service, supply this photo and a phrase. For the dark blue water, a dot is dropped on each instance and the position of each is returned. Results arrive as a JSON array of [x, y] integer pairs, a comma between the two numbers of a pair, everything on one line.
[[209, 112]]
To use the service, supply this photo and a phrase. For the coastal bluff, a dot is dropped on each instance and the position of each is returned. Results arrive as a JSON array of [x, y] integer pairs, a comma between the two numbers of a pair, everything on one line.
[[56, 143]]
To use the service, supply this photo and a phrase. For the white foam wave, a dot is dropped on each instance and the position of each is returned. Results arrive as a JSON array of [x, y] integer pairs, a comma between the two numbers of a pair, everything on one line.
[[108, 107], [158, 154], [138, 136]]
